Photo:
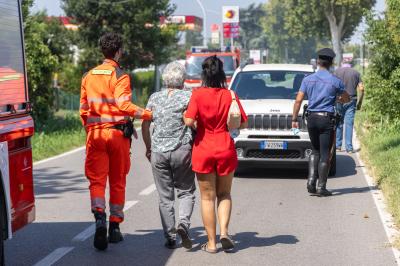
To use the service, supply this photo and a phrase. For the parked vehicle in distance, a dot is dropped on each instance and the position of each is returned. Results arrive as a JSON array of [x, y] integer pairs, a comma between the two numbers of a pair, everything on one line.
[[197, 55], [267, 93], [16, 127]]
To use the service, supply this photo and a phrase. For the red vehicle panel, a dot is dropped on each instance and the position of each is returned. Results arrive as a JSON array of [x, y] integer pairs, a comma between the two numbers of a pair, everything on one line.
[[16, 125]]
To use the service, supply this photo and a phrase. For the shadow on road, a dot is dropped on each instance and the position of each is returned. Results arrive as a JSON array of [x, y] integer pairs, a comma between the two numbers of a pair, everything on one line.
[[351, 190], [55, 181], [346, 166], [272, 173], [244, 240]]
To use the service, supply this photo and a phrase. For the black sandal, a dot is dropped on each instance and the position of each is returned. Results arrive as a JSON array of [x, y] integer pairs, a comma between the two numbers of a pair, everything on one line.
[[205, 248], [227, 243]]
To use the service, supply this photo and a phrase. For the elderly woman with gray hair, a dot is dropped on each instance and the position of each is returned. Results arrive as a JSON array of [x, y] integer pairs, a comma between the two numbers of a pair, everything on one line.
[[169, 149]]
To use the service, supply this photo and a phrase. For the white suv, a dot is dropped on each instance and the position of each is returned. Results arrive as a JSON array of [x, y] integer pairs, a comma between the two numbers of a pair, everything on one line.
[[267, 93]]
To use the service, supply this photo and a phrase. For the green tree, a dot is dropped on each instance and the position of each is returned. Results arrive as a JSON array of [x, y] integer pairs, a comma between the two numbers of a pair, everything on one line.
[[193, 38], [41, 63], [284, 46], [145, 42], [383, 79], [251, 31], [332, 19]]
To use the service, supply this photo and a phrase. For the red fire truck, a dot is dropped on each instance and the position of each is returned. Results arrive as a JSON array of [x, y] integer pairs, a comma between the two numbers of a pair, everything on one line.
[[195, 58], [16, 126]]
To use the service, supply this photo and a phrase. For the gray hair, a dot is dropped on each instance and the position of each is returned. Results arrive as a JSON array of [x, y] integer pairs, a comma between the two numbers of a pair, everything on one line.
[[174, 75]]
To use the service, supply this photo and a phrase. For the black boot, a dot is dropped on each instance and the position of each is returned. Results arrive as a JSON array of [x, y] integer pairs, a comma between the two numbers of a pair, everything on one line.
[[323, 171], [100, 237], [312, 174], [114, 233]]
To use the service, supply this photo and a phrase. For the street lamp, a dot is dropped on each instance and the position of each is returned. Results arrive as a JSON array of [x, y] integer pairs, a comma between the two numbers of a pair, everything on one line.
[[204, 23]]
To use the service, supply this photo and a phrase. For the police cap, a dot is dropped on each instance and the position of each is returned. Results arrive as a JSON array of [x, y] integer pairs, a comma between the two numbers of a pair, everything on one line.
[[326, 53]]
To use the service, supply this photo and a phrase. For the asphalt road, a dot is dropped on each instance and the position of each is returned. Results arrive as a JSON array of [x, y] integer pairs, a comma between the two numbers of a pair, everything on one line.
[[274, 221]]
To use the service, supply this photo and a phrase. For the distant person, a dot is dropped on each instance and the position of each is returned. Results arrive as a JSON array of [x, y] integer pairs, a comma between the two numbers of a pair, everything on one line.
[[322, 89], [105, 109], [355, 88], [214, 156], [169, 149]]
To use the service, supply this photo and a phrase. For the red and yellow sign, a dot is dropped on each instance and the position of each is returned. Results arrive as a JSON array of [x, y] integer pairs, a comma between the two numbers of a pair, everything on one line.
[[230, 14]]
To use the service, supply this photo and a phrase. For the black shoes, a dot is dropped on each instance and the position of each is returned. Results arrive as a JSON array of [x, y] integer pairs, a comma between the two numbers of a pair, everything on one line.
[[323, 192], [114, 233], [170, 244], [183, 232], [100, 237]]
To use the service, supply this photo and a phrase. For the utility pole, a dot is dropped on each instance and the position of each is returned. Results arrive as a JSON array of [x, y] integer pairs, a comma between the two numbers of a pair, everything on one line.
[[204, 23]]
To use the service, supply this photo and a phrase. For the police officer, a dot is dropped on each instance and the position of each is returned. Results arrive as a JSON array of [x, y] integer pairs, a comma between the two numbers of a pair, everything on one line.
[[322, 89]]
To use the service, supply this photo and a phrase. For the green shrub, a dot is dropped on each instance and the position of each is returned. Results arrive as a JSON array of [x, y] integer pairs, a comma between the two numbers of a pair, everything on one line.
[[383, 78], [143, 85], [59, 134], [383, 96]]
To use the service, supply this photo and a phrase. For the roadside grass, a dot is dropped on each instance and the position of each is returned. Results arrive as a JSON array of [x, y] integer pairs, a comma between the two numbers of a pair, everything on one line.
[[380, 148], [60, 134]]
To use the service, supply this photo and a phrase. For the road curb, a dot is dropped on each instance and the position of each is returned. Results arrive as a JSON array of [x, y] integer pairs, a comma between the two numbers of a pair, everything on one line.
[[380, 203]]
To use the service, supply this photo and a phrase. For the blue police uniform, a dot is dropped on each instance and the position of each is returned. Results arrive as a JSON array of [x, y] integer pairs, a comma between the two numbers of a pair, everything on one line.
[[321, 88]]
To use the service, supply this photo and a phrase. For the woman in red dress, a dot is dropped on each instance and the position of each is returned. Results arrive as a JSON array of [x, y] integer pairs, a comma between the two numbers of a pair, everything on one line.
[[214, 157]]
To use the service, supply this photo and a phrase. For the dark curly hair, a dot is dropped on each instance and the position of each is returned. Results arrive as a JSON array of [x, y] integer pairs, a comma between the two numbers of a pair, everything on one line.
[[213, 74], [110, 43]]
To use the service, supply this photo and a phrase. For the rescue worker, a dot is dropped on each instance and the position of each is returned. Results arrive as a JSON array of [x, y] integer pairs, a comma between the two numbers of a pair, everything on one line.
[[106, 109], [322, 89]]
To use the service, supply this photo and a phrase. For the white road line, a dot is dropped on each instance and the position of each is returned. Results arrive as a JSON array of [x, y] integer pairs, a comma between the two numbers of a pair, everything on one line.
[[88, 232], [59, 156], [147, 191], [379, 200], [54, 256], [85, 234], [130, 204]]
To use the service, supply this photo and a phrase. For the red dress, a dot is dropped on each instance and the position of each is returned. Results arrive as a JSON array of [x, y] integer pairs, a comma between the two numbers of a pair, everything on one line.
[[214, 149]]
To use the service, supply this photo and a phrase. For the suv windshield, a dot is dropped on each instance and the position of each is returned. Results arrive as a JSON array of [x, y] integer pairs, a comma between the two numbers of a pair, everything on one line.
[[268, 84], [193, 65]]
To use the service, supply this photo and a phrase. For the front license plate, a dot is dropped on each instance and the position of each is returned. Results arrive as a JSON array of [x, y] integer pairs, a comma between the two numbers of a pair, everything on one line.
[[273, 145]]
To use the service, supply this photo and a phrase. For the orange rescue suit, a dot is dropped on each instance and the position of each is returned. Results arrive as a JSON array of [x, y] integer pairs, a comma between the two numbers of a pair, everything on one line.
[[105, 102]]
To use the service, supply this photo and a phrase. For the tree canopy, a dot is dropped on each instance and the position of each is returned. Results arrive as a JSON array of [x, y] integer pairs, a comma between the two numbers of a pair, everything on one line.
[[251, 31], [283, 44], [332, 19], [138, 21], [40, 62]]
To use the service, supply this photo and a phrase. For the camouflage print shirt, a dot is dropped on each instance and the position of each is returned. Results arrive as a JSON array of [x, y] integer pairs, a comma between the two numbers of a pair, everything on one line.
[[169, 131]]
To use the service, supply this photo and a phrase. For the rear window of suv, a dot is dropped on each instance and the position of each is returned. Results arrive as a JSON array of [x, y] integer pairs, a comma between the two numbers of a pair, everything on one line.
[[268, 84]]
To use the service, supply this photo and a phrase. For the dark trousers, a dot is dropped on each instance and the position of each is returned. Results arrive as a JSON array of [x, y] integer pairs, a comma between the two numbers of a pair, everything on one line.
[[321, 131]]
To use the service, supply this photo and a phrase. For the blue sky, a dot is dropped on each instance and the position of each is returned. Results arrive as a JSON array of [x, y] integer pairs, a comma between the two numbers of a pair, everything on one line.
[[189, 7]]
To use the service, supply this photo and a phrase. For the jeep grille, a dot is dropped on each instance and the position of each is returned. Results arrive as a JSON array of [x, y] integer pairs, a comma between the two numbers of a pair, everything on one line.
[[273, 154], [273, 122]]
